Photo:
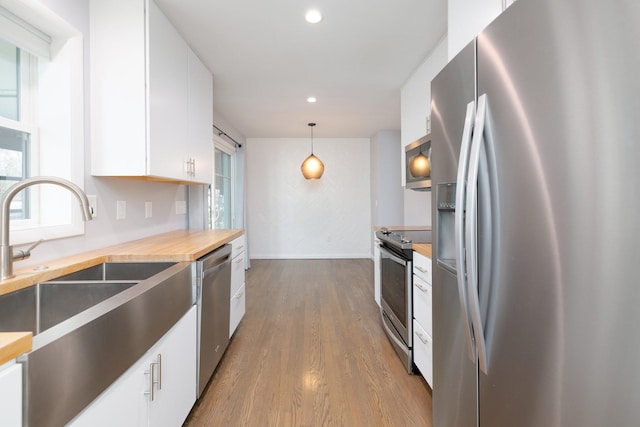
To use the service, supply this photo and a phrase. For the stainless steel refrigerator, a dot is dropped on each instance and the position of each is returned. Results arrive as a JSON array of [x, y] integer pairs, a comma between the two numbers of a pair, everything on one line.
[[536, 205]]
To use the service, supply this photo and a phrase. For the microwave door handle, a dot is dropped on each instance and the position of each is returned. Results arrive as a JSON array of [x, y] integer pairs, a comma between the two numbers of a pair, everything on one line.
[[461, 271], [471, 230]]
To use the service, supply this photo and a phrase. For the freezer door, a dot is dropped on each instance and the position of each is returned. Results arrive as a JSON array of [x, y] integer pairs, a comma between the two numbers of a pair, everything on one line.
[[562, 135], [455, 373]]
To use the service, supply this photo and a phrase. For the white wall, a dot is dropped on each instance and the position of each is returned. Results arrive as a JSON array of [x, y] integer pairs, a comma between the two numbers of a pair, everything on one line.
[[291, 217], [105, 230], [386, 187], [415, 100]]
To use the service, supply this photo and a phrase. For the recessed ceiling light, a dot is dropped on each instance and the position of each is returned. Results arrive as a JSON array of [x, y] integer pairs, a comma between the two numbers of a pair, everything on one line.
[[311, 99], [313, 16]]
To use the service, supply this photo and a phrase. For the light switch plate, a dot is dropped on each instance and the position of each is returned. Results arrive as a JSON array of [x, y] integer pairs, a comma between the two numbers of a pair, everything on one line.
[[121, 209], [148, 209]]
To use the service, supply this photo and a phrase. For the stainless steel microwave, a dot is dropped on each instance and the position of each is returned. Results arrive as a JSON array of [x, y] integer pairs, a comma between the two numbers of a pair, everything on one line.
[[418, 164]]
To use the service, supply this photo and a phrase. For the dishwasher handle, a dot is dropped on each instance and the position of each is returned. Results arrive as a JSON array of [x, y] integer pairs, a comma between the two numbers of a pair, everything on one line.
[[213, 270], [215, 259]]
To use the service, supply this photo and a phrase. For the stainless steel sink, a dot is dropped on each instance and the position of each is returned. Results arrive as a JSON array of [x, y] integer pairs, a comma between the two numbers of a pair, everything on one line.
[[46, 304], [117, 271], [89, 327]]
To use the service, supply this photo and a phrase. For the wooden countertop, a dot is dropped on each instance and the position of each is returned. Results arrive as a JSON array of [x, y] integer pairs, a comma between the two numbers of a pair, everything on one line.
[[13, 344], [179, 245], [423, 248]]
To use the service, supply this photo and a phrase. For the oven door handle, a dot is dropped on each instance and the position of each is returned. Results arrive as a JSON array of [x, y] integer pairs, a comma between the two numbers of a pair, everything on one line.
[[393, 256], [392, 335]]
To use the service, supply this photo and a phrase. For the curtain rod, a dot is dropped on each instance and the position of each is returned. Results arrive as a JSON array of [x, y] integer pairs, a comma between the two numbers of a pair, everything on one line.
[[223, 133]]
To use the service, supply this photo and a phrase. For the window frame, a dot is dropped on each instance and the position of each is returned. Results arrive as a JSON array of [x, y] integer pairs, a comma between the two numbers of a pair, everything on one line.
[[229, 149], [57, 109]]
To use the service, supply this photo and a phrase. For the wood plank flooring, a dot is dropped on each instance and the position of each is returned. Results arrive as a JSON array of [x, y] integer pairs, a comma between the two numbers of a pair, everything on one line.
[[311, 351]]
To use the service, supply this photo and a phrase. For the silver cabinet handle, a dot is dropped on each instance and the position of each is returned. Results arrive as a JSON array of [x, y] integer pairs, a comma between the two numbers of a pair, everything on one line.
[[419, 286], [239, 295], [238, 261], [159, 365], [461, 185], [152, 380], [423, 270], [239, 248], [422, 338]]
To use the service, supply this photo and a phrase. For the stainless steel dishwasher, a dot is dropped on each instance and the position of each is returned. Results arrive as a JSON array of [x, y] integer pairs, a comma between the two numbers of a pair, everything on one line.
[[213, 276]]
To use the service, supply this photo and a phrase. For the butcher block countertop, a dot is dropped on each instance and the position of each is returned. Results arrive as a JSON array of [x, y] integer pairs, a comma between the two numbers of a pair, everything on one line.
[[175, 246], [422, 248]]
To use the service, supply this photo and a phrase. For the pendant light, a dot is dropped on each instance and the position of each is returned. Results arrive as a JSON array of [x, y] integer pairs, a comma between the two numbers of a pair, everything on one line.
[[312, 167], [419, 166]]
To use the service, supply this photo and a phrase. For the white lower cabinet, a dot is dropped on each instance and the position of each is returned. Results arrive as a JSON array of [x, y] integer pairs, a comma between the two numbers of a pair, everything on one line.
[[422, 316], [11, 395], [237, 302], [237, 310], [158, 390], [423, 352], [376, 269]]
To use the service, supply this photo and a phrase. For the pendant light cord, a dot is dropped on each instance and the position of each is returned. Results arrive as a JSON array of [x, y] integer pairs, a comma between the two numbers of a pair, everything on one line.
[[311, 125]]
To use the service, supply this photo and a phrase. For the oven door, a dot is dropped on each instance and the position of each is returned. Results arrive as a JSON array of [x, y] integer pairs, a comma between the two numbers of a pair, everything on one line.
[[395, 283]]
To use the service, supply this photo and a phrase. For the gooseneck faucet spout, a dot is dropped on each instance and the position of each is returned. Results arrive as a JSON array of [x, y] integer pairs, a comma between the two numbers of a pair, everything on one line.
[[6, 251]]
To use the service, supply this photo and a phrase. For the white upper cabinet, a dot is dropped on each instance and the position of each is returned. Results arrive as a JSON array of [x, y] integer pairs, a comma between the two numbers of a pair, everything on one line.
[[200, 119], [151, 97]]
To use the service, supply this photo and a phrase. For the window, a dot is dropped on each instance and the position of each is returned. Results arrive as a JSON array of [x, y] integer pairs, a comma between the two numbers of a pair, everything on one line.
[[222, 191], [16, 82], [41, 119]]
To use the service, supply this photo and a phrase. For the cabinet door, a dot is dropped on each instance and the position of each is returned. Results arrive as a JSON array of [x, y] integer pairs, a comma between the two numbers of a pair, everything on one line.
[[422, 303], [168, 97], [237, 310], [423, 352], [376, 269], [118, 87], [237, 273], [422, 267], [127, 402], [237, 246], [122, 404], [200, 141], [11, 396], [176, 389]]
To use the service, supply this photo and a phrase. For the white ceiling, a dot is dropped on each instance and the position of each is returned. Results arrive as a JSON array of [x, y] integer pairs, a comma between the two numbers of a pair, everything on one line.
[[266, 60]]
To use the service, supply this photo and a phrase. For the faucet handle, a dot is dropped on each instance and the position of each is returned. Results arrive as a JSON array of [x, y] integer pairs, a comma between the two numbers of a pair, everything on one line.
[[24, 254]]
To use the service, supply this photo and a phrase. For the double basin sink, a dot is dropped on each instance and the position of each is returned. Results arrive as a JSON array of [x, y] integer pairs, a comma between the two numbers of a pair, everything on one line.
[[89, 327]]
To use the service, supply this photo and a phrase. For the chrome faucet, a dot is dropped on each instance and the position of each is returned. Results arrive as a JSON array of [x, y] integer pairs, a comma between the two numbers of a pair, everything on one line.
[[6, 250]]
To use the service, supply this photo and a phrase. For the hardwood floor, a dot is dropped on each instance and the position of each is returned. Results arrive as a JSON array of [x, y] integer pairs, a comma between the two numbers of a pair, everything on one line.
[[311, 351]]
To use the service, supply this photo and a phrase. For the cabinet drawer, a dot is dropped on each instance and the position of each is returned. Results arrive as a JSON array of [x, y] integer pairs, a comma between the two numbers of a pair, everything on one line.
[[422, 297], [237, 246], [422, 267], [237, 273], [423, 352], [237, 310]]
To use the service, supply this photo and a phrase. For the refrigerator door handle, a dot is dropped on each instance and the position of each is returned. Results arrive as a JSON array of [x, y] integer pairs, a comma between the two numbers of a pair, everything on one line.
[[471, 230], [461, 271]]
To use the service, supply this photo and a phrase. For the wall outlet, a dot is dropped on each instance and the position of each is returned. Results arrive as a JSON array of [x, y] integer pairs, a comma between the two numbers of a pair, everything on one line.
[[181, 207], [93, 203], [121, 209], [148, 209]]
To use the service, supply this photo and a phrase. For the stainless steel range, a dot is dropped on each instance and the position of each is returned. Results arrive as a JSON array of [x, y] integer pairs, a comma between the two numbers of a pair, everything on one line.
[[396, 283]]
